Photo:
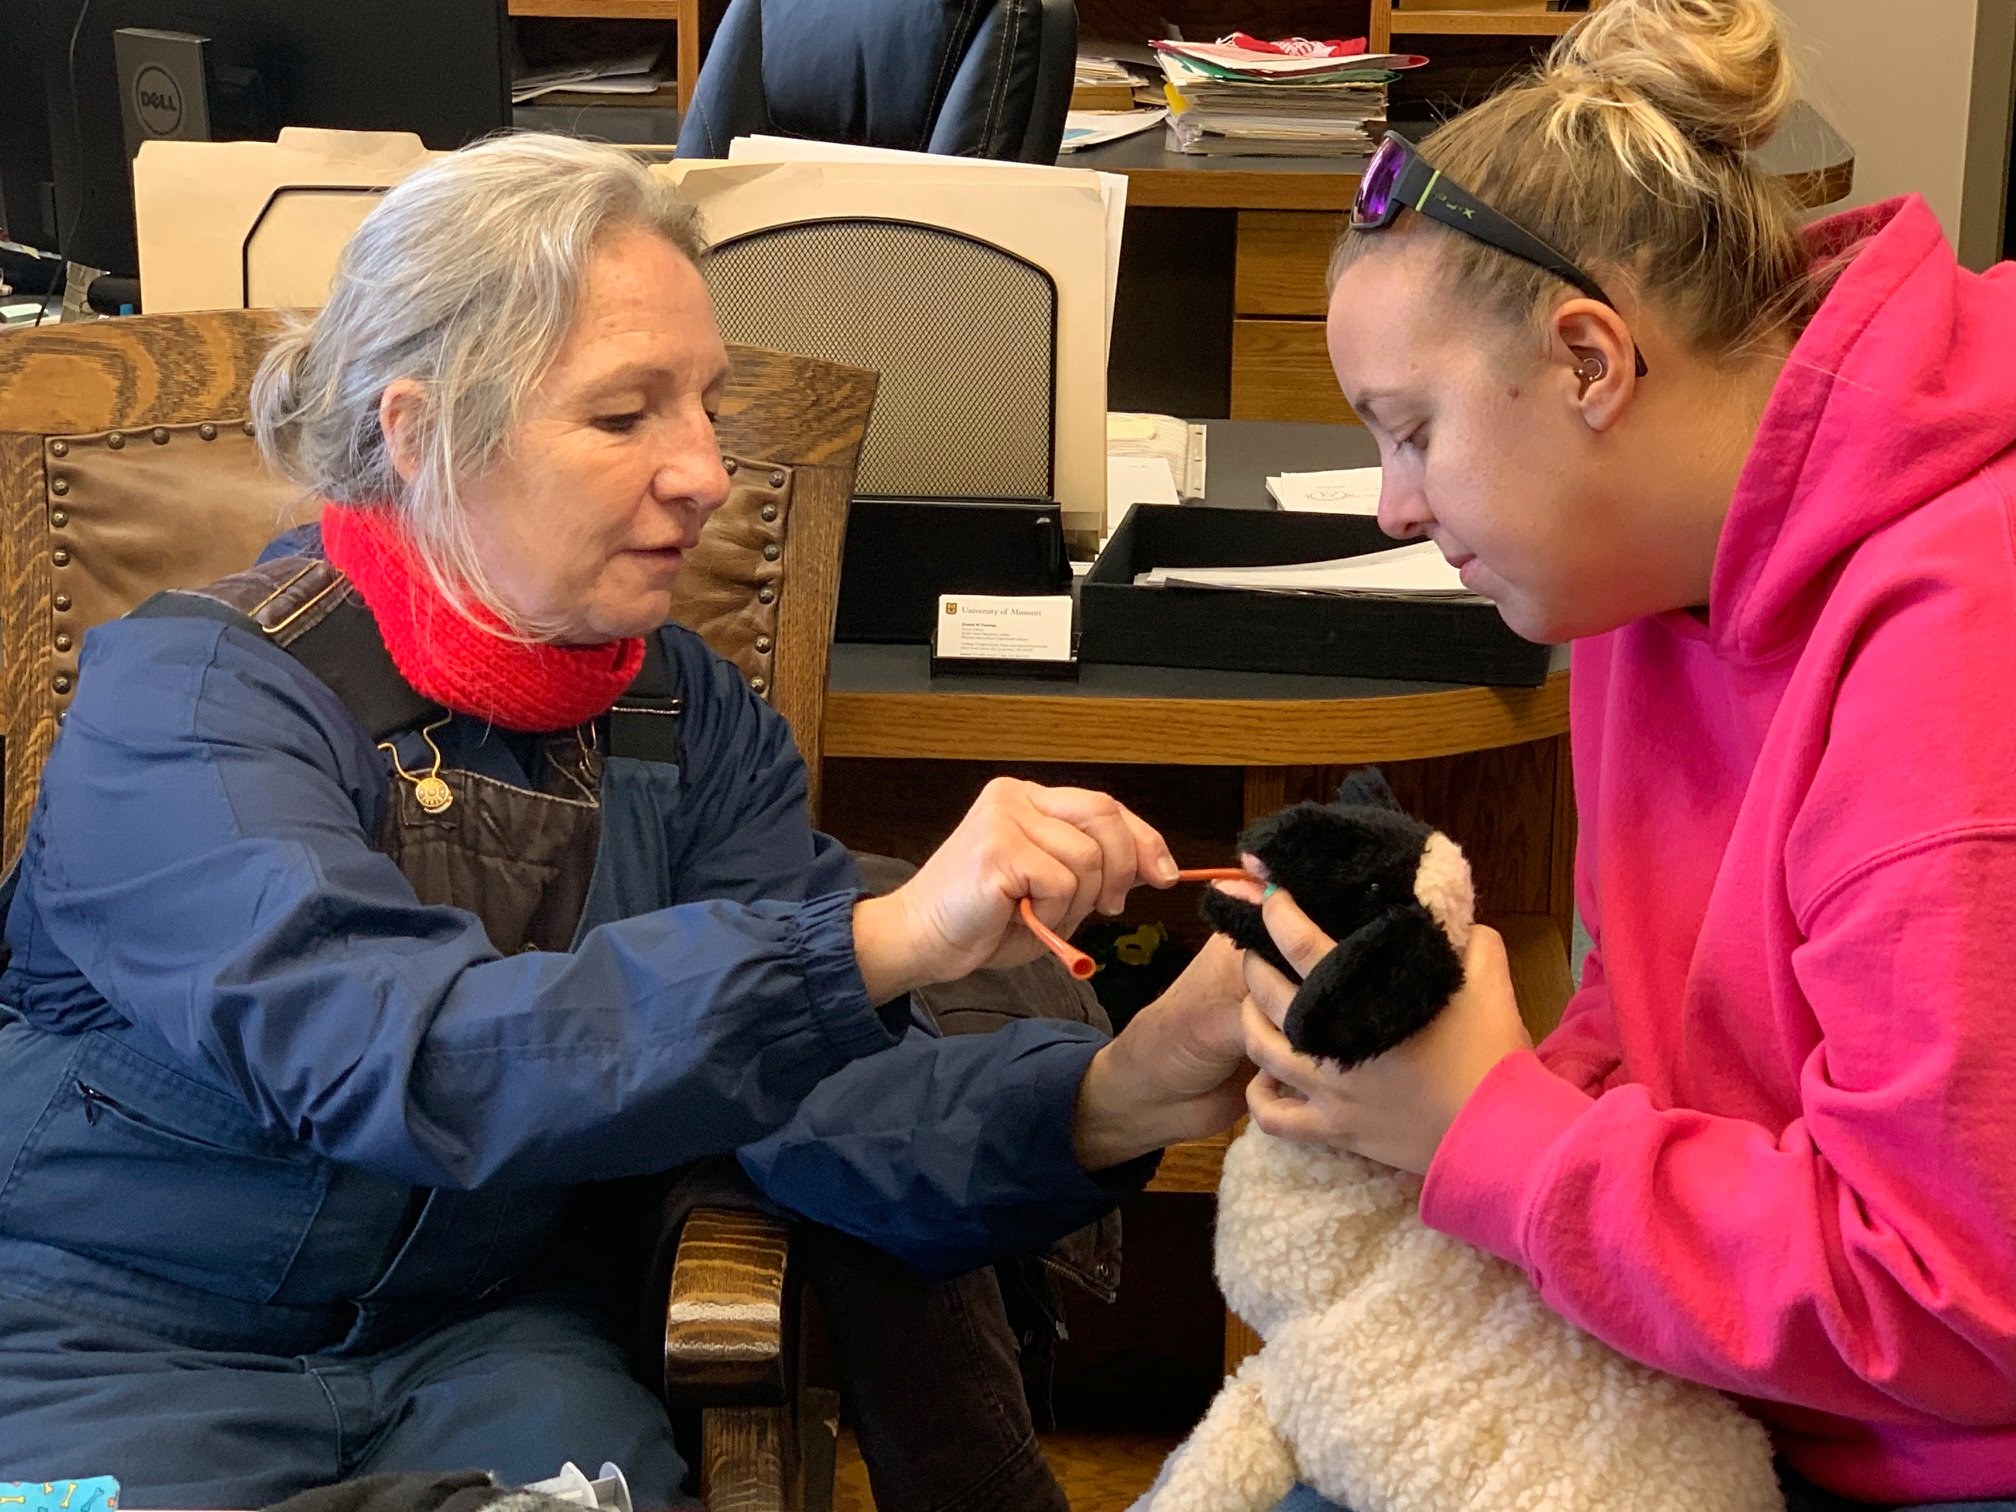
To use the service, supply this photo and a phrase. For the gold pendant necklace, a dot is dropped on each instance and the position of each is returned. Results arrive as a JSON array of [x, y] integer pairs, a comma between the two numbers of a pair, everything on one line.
[[430, 792]]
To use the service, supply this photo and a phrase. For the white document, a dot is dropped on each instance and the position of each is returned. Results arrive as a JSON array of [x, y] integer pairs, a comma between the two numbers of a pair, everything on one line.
[[1136, 480], [601, 84], [1416, 571], [1342, 490], [1095, 128], [1179, 443]]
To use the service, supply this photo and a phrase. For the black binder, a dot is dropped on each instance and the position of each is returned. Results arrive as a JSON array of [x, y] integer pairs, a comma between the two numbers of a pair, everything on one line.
[[1420, 640], [902, 553]]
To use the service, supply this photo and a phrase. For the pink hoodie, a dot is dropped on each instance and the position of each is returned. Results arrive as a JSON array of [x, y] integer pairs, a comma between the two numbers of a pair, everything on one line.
[[1772, 1146]]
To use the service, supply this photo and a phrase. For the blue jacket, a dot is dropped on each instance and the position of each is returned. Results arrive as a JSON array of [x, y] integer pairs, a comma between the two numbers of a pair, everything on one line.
[[243, 1064]]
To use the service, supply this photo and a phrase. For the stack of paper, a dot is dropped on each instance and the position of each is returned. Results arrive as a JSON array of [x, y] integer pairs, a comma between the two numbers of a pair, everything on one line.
[[1179, 444], [1343, 490], [1226, 100], [1102, 83], [1418, 571], [639, 72]]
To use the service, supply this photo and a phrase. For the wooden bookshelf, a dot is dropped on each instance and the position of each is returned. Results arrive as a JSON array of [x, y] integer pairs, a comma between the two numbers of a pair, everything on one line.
[[1389, 19], [694, 21], [605, 10], [1405, 23]]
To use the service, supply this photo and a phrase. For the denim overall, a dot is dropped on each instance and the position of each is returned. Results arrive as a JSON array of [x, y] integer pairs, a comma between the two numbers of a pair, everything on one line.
[[221, 1311], [377, 1325]]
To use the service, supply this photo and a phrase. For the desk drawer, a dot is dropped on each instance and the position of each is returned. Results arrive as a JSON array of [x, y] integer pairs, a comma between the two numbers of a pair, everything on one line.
[[1283, 257], [1281, 371]]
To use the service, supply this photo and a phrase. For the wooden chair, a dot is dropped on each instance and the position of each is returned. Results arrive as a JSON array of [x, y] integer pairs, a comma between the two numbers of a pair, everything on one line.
[[127, 466]]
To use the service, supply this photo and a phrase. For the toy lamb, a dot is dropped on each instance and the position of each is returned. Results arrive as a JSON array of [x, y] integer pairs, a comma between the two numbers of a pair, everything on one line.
[[1404, 1371]]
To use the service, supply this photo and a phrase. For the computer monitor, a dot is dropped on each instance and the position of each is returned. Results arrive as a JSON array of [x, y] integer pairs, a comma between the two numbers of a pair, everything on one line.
[[438, 68], [27, 186]]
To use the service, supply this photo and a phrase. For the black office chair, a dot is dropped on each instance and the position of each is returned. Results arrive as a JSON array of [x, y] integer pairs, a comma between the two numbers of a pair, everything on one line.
[[990, 79]]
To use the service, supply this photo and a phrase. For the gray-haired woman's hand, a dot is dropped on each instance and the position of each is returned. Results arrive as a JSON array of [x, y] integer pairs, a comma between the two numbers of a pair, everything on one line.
[[1067, 850], [1177, 1071]]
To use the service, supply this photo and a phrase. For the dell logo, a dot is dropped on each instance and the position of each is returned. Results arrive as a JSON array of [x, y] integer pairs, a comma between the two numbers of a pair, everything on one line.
[[157, 101]]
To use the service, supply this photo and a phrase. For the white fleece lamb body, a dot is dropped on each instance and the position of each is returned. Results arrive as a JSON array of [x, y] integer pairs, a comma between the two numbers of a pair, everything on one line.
[[1406, 1372]]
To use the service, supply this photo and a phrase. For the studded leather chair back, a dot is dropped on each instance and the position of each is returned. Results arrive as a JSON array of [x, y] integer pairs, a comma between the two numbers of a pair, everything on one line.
[[126, 466]]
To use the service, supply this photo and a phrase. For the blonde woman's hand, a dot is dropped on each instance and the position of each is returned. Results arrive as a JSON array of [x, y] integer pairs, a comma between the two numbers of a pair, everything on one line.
[[1396, 1107]]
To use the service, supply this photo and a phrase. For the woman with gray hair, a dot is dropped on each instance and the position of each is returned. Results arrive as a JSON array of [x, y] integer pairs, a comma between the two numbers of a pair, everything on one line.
[[350, 943]]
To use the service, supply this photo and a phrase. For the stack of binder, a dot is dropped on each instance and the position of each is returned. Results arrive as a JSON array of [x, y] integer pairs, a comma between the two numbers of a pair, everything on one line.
[[1224, 99]]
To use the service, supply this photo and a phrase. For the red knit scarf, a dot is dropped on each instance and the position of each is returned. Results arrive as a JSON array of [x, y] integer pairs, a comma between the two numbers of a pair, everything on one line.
[[470, 667]]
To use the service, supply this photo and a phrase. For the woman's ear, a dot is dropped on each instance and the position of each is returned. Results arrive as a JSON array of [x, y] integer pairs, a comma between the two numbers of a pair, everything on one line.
[[1594, 351], [400, 411]]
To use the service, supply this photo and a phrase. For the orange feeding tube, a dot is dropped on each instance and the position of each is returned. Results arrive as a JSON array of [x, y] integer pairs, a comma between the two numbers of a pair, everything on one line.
[[1081, 965]]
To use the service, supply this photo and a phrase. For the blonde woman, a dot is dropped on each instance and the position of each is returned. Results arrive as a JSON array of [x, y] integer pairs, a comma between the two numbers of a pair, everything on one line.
[[1762, 478]]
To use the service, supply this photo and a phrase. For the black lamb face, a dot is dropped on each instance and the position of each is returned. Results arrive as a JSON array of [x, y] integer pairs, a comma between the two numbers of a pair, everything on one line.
[[1353, 868], [1344, 866]]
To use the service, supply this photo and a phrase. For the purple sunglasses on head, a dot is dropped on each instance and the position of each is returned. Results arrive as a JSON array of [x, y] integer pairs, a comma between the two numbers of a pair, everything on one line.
[[1399, 178]]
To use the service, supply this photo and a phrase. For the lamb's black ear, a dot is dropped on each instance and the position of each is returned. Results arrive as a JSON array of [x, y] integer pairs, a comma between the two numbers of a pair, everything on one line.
[[1366, 786], [1381, 985], [1241, 921]]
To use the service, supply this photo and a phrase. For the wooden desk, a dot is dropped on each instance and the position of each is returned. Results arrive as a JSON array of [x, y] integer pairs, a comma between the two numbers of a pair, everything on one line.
[[1202, 754], [1265, 269], [881, 704], [1807, 150]]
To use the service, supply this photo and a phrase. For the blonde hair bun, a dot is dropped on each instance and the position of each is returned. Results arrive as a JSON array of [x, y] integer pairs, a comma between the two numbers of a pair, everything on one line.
[[1628, 153], [1719, 70]]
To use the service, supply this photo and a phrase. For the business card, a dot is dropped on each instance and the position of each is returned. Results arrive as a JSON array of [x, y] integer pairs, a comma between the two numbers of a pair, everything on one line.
[[983, 627]]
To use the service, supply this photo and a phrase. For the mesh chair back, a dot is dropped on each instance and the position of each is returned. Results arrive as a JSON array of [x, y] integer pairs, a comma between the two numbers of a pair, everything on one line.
[[963, 334]]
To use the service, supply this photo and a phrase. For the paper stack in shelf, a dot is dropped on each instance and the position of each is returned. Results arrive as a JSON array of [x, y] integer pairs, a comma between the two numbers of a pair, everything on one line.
[[1103, 84], [1116, 76], [642, 71], [1225, 99]]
